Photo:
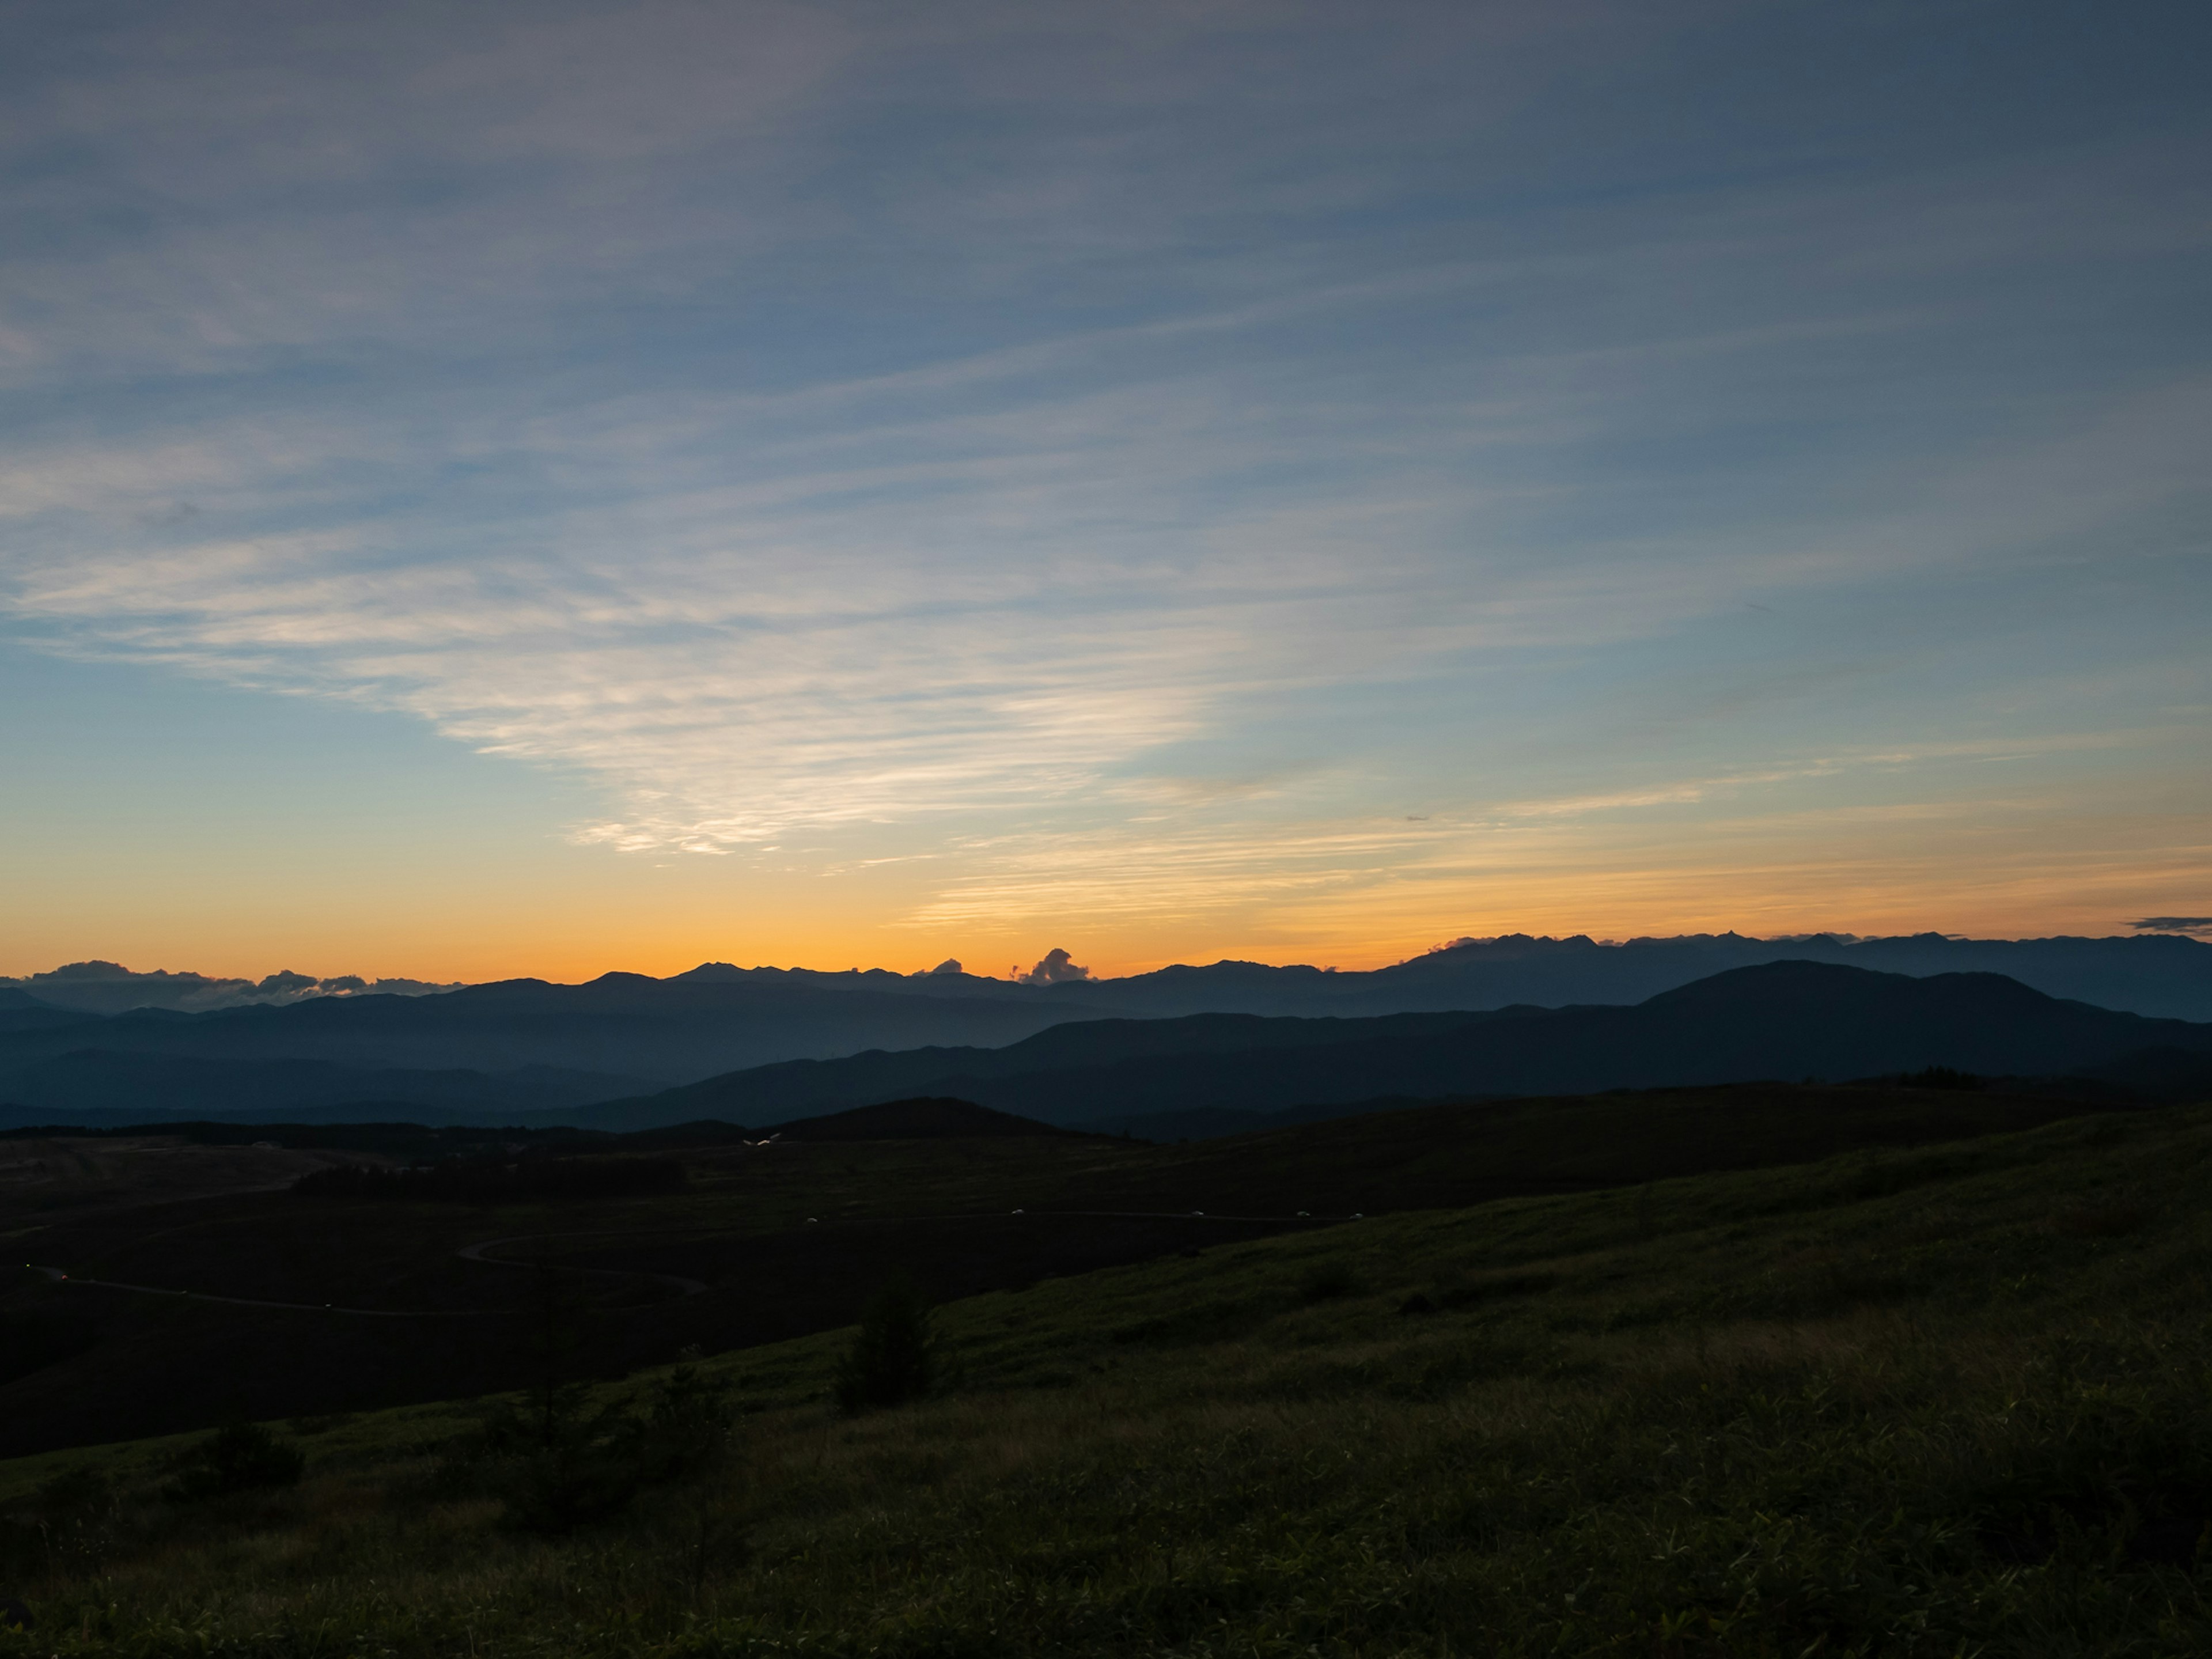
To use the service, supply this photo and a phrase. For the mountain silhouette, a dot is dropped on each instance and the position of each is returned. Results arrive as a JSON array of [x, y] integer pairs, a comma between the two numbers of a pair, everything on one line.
[[96, 1085], [1777, 1020], [931, 1118], [719, 1018], [619, 1026], [2166, 976]]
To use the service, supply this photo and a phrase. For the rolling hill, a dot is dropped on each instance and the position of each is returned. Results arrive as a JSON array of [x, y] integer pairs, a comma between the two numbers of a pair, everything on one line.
[[1780, 1020], [1953, 1392]]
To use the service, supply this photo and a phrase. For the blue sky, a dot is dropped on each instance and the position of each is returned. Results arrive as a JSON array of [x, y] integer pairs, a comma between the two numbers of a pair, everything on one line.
[[628, 485]]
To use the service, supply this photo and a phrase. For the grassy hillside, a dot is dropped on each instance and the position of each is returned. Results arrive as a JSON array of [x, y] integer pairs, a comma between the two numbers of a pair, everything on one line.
[[1943, 1400], [791, 1239]]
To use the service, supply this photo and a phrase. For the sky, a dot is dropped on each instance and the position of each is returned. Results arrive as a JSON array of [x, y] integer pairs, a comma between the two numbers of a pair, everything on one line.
[[551, 488]]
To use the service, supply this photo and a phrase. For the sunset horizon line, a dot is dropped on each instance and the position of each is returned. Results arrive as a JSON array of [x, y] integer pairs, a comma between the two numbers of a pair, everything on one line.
[[288, 979]]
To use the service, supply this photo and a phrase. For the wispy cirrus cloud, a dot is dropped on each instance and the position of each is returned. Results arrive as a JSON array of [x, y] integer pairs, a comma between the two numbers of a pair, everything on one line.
[[1016, 429]]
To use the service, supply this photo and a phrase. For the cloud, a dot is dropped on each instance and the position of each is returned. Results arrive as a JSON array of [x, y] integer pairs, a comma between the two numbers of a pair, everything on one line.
[[2195, 926], [995, 427], [108, 988], [1056, 968]]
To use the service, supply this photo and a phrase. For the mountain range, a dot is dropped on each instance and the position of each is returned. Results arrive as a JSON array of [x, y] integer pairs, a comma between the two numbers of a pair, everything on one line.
[[1779, 1020], [109, 988], [521, 1048]]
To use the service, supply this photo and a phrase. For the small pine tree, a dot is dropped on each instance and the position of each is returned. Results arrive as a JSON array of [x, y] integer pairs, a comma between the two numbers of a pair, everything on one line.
[[241, 1458], [893, 1358]]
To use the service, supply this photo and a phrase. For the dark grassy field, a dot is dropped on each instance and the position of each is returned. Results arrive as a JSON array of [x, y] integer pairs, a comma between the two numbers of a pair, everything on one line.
[[1950, 1399], [793, 1238], [45, 1177]]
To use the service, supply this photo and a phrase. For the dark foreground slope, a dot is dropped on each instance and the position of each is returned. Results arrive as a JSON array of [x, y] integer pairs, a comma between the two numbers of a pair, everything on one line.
[[763, 1243], [1782, 1020], [1947, 1401]]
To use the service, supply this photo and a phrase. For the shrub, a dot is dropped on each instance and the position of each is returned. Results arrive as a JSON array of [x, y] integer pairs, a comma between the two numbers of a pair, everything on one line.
[[555, 1465], [551, 1463], [67, 1526], [244, 1457], [686, 1425], [1327, 1281], [893, 1358]]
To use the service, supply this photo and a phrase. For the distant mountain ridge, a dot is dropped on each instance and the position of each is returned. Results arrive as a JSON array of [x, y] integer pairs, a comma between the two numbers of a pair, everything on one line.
[[2165, 974], [109, 988], [106, 1083], [929, 1119], [718, 1019], [1777, 1020]]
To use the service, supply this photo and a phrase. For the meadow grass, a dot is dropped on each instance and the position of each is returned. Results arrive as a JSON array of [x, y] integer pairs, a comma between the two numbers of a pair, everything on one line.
[[1955, 1400]]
